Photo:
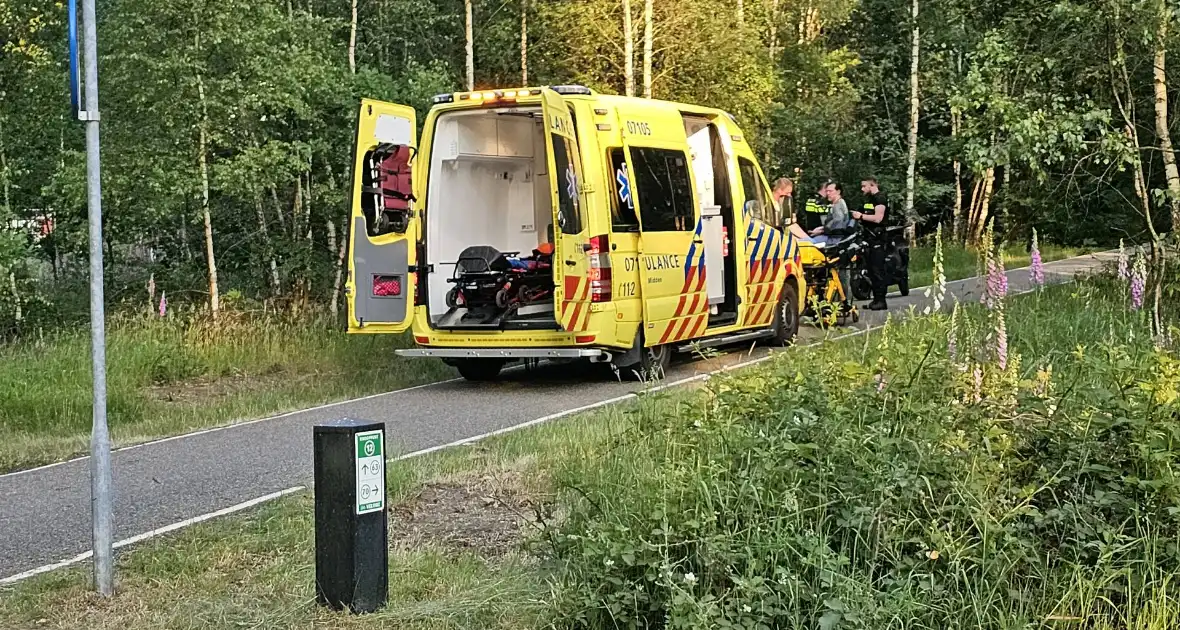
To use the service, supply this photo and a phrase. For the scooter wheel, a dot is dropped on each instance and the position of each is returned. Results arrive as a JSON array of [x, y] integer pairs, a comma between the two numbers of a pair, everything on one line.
[[502, 298], [453, 298]]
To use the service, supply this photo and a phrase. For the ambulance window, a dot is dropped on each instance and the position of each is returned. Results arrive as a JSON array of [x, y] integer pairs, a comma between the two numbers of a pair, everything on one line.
[[755, 190], [663, 190], [622, 204], [569, 216]]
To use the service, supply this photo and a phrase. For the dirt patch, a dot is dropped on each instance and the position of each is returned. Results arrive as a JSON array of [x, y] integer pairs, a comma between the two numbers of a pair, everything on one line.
[[203, 389], [490, 515]]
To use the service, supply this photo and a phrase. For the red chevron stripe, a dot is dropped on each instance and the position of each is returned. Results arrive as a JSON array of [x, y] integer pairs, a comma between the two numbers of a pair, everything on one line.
[[585, 289], [573, 320], [696, 297], [683, 328], [680, 305], [687, 279], [698, 327], [667, 332], [585, 320], [701, 279], [571, 286]]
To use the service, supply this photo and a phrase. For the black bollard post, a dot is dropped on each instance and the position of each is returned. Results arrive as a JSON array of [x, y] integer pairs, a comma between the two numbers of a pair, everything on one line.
[[351, 532]]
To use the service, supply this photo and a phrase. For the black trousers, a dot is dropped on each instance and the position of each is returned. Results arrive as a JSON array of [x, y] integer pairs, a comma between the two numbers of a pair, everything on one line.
[[877, 272]]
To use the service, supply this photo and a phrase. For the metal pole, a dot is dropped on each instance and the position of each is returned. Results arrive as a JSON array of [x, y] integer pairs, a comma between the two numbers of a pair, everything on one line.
[[100, 439]]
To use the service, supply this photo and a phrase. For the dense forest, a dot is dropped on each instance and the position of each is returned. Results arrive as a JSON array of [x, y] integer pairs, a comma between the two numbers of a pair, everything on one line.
[[227, 124]]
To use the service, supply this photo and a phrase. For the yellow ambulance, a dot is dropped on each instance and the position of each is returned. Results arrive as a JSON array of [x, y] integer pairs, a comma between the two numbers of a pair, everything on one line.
[[562, 224]]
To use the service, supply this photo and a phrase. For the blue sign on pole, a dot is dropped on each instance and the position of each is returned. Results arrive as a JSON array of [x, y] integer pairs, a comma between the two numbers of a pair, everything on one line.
[[75, 97]]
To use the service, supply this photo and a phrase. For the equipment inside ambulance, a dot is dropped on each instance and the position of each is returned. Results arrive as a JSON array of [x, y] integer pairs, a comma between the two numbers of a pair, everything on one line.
[[556, 223]]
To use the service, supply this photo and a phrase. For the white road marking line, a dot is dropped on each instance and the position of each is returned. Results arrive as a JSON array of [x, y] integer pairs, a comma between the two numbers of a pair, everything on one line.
[[152, 534], [426, 451]]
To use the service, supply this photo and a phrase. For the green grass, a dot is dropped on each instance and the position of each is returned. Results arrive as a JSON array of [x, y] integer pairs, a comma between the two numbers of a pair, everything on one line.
[[166, 377], [667, 459], [961, 262]]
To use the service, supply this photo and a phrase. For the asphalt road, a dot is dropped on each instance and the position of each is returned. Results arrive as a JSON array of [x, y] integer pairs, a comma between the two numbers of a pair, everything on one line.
[[45, 512]]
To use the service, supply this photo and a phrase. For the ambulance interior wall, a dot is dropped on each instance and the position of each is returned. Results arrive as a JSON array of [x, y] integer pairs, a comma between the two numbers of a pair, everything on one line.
[[488, 186]]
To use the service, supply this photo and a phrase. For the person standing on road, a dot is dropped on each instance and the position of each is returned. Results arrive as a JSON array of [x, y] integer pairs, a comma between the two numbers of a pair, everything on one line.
[[872, 220], [783, 192], [838, 218]]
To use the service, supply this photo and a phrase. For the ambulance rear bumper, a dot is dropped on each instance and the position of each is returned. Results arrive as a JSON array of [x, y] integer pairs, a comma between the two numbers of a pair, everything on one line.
[[594, 354]]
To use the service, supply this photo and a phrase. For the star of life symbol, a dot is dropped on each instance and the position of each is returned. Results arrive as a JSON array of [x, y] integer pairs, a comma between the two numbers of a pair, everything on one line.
[[571, 182], [624, 187]]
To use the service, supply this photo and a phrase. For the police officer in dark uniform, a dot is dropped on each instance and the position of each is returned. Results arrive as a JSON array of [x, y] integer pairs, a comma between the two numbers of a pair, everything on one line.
[[872, 220]]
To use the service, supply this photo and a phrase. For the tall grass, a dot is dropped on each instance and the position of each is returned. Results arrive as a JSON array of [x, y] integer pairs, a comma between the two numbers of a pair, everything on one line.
[[183, 372], [963, 262], [880, 485]]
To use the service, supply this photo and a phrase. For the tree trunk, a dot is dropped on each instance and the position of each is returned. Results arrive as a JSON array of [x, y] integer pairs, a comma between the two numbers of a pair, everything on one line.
[[352, 40], [741, 13], [19, 314], [275, 286], [470, 47], [342, 248], [524, 42], [957, 165], [647, 47], [307, 202], [1160, 84], [4, 174], [628, 50], [278, 207], [772, 39], [203, 163], [912, 158], [981, 204], [297, 207]]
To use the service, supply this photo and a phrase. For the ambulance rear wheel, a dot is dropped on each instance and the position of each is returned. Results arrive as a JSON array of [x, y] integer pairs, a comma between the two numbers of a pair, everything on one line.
[[786, 315], [651, 365], [479, 369]]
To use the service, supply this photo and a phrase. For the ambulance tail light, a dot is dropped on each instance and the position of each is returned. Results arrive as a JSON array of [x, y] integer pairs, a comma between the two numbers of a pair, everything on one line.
[[598, 254]]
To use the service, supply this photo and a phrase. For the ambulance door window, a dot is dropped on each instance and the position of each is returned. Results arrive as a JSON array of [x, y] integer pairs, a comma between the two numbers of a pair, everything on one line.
[[622, 204], [569, 214], [663, 189], [763, 208]]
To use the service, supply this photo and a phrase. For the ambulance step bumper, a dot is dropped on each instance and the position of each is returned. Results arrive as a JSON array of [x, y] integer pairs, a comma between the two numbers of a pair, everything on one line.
[[507, 353]]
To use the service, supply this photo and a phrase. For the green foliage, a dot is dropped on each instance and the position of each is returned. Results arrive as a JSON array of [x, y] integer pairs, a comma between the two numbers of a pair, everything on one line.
[[876, 485]]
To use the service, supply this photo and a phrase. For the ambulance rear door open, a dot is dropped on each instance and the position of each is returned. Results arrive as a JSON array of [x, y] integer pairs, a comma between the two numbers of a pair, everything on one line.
[[384, 227], [573, 250]]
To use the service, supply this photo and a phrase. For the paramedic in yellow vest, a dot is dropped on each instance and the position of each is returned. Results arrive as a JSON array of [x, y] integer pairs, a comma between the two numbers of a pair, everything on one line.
[[784, 188], [872, 222]]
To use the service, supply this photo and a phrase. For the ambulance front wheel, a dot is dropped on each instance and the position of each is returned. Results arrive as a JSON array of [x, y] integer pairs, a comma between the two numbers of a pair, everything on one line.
[[786, 315], [479, 369]]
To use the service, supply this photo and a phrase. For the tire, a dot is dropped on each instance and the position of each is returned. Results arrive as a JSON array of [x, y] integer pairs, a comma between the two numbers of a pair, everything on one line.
[[453, 298], [652, 364], [479, 370], [786, 315], [903, 285], [862, 289]]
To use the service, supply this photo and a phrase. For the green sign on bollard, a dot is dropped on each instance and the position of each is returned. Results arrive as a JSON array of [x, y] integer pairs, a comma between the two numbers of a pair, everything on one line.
[[370, 472]]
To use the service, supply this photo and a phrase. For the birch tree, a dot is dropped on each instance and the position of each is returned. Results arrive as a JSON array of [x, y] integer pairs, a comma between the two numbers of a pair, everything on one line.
[[912, 158], [647, 47], [1160, 88], [470, 39], [524, 42], [628, 50]]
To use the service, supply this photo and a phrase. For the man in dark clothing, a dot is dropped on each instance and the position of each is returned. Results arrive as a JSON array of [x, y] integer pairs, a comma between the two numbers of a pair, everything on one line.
[[872, 220]]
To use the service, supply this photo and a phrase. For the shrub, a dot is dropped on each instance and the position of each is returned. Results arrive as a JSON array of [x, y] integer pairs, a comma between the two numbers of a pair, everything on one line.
[[869, 488]]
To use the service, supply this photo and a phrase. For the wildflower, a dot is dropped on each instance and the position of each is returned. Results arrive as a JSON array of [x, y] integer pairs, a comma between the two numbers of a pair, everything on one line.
[[1124, 269], [932, 554], [1037, 267], [690, 579], [746, 608], [696, 423], [881, 382], [952, 342], [977, 377], [608, 563], [163, 303], [1001, 340], [937, 290], [1138, 282]]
